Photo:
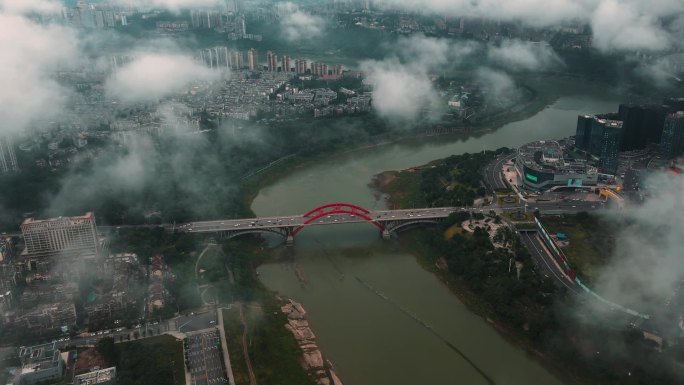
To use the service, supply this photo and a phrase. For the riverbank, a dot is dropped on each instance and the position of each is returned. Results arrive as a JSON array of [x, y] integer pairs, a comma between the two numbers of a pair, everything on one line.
[[542, 96], [312, 361], [429, 260], [400, 187]]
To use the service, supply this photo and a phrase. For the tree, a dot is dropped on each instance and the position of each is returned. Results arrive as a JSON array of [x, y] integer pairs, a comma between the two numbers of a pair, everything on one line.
[[108, 350]]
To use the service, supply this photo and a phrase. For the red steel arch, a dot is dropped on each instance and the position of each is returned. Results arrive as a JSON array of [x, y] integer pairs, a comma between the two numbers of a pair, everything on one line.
[[337, 208], [336, 205]]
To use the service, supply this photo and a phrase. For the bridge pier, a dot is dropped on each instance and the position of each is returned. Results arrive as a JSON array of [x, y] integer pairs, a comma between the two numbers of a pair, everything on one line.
[[289, 241], [386, 235]]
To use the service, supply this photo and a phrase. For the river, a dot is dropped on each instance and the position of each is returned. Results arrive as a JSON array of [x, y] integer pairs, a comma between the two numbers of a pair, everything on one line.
[[374, 341]]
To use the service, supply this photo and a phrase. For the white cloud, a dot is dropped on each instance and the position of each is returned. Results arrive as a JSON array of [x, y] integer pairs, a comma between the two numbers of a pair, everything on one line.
[[620, 26], [172, 5], [616, 24], [498, 86], [150, 77], [647, 264], [297, 24], [519, 55], [398, 90], [30, 6], [402, 86], [30, 54]]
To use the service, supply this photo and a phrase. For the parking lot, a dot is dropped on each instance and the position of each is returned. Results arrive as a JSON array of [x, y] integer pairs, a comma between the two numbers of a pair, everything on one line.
[[203, 358]]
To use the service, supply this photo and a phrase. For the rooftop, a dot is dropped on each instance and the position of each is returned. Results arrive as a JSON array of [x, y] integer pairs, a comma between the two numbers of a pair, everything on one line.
[[87, 217], [549, 156], [95, 377]]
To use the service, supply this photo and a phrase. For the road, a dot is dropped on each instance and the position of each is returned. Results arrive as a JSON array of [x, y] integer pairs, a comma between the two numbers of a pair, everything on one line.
[[493, 175], [328, 219], [184, 324], [545, 260]]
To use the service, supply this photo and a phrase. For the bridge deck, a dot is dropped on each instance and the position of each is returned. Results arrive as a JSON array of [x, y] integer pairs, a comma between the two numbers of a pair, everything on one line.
[[330, 219]]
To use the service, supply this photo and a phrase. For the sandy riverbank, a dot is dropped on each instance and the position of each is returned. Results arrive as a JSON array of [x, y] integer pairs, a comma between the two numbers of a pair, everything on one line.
[[312, 358]]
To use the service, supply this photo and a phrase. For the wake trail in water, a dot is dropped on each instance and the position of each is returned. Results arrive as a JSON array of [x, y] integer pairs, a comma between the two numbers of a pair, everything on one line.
[[330, 259], [428, 327]]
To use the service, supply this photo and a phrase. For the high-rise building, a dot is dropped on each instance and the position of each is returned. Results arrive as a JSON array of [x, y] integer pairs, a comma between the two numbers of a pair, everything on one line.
[[206, 19], [236, 60], [611, 138], [215, 57], [583, 131], [598, 125], [8, 158], [232, 6], [672, 143], [272, 61], [63, 234], [642, 125], [300, 65], [337, 69], [285, 65], [319, 69], [252, 59], [243, 25]]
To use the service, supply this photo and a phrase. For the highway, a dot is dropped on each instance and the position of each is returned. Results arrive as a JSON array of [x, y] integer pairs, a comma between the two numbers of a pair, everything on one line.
[[545, 260], [493, 175]]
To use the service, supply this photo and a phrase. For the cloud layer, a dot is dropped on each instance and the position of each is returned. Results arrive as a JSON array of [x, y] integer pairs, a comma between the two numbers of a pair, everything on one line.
[[30, 55], [519, 55], [150, 77], [647, 264], [297, 24], [616, 24]]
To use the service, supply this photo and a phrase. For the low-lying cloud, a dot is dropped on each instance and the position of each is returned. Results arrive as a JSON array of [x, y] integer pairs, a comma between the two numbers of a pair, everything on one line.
[[172, 5], [402, 83], [30, 6], [297, 24], [616, 24], [498, 86], [150, 77], [520, 55], [30, 55], [647, 264]]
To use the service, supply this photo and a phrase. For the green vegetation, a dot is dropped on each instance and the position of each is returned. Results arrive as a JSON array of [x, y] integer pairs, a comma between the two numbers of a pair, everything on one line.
[[536, 315], [273, 350], [155, 360], [519, 216], [591, 241], [521, 298], [234, 331], [453, 181]]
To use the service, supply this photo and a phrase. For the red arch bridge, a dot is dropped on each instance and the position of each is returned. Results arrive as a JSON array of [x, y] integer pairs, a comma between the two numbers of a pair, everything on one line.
[[388, 222]]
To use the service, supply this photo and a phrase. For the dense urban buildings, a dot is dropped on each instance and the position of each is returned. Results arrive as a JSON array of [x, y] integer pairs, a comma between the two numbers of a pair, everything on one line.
[[61, 235], [632, 128]]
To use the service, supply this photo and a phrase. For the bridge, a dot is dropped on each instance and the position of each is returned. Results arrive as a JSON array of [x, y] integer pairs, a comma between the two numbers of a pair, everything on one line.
[[387, 222]]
